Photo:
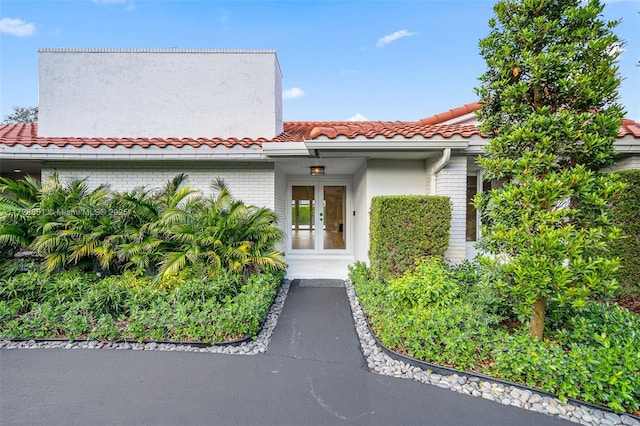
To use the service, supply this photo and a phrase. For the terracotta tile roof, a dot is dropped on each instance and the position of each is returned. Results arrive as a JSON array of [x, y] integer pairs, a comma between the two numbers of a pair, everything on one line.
[[629, 127], [451, 114], [27, 135], [294, 131], [390, 129]]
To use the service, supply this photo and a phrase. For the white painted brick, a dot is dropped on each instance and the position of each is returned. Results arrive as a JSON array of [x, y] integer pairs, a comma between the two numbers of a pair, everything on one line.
[[451, 181], [251, 182]]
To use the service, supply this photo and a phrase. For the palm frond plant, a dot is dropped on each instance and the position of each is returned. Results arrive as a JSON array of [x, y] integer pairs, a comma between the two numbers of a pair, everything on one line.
[[223, 233], [133, 244], [18, 201], [72, 223]]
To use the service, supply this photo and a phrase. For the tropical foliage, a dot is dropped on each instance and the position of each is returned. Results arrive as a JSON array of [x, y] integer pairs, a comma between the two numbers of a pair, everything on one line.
[[17, 201], [160, 233], [451, 317], [549, 108], [82, 262], [131, 306]]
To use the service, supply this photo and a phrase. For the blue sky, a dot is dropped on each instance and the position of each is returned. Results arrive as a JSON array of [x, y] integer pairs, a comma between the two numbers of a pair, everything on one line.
[[376, 60]]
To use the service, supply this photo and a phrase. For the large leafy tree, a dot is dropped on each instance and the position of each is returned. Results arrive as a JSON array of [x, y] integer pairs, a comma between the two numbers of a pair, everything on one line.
[[22, 115], [549, 109]]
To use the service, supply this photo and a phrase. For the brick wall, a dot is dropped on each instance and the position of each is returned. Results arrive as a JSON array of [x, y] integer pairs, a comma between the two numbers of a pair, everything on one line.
[[281, 207], [451, 182], [627, 164], [250, 182]]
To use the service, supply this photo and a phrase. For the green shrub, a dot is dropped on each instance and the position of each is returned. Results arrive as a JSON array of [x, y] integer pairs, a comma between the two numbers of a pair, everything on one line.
[[210, 311], [73, 226], [133, 306], [626, 215], [109, 297], [406, 228], [17, 228], [217, 288], [591, 353], [23, 290], [595, 358], [250, 307], [425, 315], [429, 284], [105, 328], [69, 286], [76, 320]]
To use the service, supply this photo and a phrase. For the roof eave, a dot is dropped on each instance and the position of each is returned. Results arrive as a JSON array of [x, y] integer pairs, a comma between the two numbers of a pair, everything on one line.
[[391, 144], [284, 149], [627, 144], [134, 153]]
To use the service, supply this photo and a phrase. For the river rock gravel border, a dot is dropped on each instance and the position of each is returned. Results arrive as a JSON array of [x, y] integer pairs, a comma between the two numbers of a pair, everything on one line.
[[254, 347], [378, 361]]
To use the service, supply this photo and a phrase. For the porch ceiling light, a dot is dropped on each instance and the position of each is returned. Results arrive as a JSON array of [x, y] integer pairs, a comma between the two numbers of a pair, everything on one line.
[[317, 170], [17, 171]]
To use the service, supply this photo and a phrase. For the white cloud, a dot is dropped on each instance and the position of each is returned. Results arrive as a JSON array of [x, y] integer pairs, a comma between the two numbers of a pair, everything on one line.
[[393, 37], [17, 27], [294, 92], [358, 117]]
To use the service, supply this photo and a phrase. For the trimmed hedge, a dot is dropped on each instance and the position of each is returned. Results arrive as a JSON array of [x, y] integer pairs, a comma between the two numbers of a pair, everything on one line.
[[404, 229], [626, 215]]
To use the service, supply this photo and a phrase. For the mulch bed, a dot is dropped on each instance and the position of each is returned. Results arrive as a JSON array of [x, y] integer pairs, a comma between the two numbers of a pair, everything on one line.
[[631, 303]]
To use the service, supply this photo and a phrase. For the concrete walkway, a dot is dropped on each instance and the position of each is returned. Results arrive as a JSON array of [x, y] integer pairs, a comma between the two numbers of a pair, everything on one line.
[[312, 374]]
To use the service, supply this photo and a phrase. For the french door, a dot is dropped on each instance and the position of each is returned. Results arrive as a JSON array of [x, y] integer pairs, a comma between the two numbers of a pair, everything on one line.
[[318, 213]]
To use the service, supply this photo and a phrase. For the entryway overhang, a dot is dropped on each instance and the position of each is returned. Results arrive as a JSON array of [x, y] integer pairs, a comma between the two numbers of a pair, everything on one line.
[[379, 147]]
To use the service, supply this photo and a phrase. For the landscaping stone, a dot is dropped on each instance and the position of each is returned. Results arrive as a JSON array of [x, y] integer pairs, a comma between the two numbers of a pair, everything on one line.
[[535, 398], [613, 417], [552, 409], [488, 395], [630, 421]]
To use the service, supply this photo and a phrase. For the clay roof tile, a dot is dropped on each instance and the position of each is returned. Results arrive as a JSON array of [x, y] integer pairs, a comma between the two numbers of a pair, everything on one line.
[[26, 134]]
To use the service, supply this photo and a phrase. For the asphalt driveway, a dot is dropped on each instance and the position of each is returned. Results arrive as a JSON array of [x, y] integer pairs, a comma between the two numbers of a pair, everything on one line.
[[312, 374]]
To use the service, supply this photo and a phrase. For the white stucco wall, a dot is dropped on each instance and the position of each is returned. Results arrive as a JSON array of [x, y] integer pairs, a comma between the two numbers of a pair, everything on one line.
[[159, 93], [395, 177], [361, 206], [252, 183], [382, 177]]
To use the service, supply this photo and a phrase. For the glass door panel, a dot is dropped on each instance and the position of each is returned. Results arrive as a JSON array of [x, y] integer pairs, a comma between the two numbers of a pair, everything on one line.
[[318, 217], [333, 217], [303, 220]]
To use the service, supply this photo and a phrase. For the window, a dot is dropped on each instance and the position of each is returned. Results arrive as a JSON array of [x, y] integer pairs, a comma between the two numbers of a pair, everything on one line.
[[473, 218]]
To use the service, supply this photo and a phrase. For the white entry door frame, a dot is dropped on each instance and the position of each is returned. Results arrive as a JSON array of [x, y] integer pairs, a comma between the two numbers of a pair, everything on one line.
[[319, 216]]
